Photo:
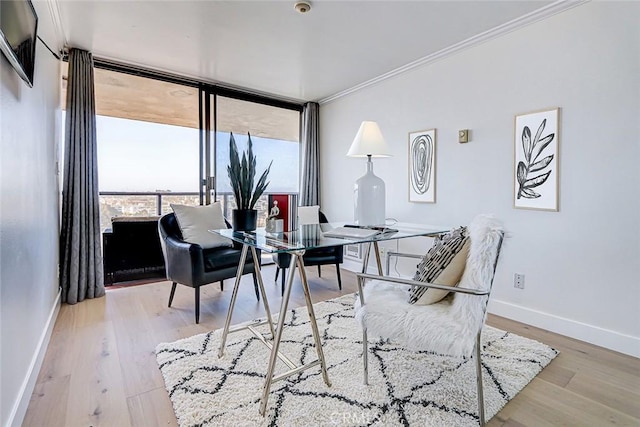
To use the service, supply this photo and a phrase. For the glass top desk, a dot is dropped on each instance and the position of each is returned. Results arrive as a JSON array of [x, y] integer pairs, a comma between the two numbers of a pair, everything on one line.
[[296, 243]]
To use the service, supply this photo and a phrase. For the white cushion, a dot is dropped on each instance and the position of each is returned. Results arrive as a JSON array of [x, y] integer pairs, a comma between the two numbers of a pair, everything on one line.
[[308, 215], [196, 221]]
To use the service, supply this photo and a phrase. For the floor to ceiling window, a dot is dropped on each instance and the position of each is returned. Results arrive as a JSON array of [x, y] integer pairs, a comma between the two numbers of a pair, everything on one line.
[[275, 135], [147, 132], [151, 152], [147, 145]]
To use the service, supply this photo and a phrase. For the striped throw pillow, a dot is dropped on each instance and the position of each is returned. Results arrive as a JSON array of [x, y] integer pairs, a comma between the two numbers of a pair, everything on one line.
[[442, 265]]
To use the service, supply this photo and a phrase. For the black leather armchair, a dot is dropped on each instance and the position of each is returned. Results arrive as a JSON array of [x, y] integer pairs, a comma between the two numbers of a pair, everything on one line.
[[318, 256], [191, 265]]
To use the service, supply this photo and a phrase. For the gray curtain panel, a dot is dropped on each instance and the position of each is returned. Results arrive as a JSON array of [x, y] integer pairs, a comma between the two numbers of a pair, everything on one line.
[[80, 257], [310, 185]]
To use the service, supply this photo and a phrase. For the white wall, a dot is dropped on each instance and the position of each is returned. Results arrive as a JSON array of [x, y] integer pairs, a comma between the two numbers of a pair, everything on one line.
[[582, 264], [29, 129]]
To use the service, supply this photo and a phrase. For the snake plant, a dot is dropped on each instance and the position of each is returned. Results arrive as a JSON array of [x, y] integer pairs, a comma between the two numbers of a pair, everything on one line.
[[242, 174]]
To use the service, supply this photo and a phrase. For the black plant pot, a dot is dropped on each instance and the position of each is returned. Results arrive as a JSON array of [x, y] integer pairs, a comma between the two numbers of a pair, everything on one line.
[[244, 219]]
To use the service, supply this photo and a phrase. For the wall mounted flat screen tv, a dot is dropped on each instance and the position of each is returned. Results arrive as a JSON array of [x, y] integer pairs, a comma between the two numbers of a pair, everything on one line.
[[18, 30]]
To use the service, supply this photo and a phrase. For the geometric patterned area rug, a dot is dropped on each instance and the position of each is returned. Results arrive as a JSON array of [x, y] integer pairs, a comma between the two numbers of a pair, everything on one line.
[[405, 387]]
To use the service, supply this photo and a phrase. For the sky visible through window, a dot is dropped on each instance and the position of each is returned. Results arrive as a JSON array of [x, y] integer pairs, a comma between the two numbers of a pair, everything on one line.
[[141, 156]]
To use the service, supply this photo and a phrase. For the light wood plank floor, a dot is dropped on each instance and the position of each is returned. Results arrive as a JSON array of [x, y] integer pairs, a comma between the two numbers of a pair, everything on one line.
[[100, 367]]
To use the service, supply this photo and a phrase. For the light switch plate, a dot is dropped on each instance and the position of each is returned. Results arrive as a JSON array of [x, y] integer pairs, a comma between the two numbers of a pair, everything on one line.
[[463, 136]]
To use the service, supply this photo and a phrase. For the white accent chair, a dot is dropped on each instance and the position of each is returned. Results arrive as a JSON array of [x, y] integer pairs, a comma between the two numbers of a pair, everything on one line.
[[452, 326]]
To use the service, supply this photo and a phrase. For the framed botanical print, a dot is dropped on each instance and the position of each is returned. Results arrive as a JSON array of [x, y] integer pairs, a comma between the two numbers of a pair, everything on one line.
[[535, 174], [422, 166]]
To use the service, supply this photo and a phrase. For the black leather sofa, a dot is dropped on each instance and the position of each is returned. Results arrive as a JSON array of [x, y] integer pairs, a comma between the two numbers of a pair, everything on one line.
[[131, 250]]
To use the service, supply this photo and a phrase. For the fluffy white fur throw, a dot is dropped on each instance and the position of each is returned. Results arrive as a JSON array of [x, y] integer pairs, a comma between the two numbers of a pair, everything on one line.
[[448, 327]]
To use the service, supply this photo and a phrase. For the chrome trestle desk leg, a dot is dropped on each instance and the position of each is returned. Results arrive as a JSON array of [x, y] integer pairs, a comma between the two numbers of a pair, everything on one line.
[[365, 344], [256, 265], [314, 324], [234, 294], [365, 260], [379, 264], [367, 254], [296, 258], [278, 336], [365, 264]]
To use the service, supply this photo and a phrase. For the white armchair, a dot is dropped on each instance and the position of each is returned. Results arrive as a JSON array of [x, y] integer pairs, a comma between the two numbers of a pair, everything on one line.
[[451, 326]]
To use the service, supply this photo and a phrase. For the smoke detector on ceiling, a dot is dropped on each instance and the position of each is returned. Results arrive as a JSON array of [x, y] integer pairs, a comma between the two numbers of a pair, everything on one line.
[[302, 7]]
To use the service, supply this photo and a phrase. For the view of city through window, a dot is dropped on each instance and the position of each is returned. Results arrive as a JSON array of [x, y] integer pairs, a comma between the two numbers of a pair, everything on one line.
[[159, 162]]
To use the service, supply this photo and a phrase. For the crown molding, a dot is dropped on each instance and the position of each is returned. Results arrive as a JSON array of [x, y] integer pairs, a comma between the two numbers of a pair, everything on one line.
[[54, 9], [515, 24]]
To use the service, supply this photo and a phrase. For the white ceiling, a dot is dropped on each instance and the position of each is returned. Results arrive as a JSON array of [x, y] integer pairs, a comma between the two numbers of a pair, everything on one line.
[[266, 46]]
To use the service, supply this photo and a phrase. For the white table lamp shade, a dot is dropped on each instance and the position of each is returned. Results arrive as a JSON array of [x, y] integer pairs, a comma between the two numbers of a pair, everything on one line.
[[369, 190], [369, 142]]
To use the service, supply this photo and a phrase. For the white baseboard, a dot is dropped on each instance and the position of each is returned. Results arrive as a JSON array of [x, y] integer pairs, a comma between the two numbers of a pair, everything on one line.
[[606, 338], [19, 410]]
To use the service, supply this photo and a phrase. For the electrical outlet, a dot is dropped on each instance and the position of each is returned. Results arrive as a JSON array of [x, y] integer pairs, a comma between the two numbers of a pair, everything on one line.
[[518, 281]]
